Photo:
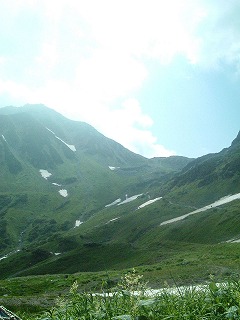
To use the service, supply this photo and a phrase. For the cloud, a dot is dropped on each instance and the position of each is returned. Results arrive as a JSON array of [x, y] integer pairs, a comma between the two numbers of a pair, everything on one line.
[[131, 127], [218, 34], [108, 74], [89, 59]]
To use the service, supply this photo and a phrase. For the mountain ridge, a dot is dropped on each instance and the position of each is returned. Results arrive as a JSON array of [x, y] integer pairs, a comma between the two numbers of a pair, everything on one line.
[[112, 201]]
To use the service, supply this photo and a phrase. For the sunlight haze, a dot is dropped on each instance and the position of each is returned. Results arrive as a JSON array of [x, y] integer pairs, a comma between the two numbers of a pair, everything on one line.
[[160, 77]]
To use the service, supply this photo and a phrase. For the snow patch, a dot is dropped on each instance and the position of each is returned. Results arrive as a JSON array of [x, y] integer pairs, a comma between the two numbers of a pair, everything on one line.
[[4, 138], [217, 203], [63, 193], [55, 253], [176, 290], [119, 201], [9, 254], [51, 131], [113, 203], [149, 202], [112, 220], [77, 223], [130, 199], [3, 257], [70, 146], [234, 240], [113, 168], [45, 174]]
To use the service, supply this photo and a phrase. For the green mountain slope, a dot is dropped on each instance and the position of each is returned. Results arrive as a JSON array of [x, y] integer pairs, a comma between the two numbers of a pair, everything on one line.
[[55, 171], [116, 207]]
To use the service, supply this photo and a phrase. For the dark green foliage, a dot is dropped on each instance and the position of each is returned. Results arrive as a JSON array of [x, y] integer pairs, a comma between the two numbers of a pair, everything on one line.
[[14, 166], [231, 168], [40, 228], [66, 244], [40, 255], [4, 239], [5, 200]]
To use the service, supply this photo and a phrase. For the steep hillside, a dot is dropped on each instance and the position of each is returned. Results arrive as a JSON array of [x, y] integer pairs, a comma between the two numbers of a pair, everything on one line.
[[55, 171], [208, 178], [155, 226], [73, 200]]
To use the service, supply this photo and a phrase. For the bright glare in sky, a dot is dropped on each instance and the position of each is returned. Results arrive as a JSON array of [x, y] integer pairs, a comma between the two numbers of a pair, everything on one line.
[[160, 77]]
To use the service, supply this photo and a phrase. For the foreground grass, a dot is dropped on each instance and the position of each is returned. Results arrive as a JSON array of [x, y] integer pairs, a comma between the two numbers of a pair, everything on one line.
[[213, 301]]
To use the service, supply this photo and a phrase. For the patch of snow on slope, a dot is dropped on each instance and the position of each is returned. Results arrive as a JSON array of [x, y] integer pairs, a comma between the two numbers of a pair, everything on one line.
[[63, 193], [113, 168], [217, 203], [234, 240], [51, 131], [55, 253], [179, 290], [4, 138], [148, 202], [45, 174], [113, 203], [9, 254], [112, 220], [130, 199], [70, 146], [77, 223], [3, 257]]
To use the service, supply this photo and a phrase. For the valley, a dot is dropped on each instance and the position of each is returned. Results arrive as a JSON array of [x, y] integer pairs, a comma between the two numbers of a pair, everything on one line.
[[73, 202]]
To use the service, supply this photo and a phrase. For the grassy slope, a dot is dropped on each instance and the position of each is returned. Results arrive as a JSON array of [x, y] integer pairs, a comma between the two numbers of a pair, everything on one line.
[[29, 146], [179, 249], [136, 238]]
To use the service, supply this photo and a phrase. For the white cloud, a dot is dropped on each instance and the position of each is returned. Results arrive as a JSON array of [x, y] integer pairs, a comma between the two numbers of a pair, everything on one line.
[[2, 60], [108, 75], [131, 127], [217, 34], [48, 57], [93, 55]]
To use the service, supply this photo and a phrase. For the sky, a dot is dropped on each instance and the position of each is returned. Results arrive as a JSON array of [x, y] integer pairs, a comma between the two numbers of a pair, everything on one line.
[[161, 77]]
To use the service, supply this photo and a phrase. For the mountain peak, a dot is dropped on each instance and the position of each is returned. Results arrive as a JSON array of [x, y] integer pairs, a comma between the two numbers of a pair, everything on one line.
[[236, 140], [37, 108]]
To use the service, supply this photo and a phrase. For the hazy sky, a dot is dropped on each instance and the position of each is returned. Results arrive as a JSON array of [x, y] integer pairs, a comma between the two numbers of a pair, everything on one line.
[[161, 77]]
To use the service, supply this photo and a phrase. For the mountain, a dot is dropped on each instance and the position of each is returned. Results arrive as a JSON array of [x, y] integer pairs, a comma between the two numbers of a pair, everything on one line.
[[55, 171], [74, 200], [211, 176]]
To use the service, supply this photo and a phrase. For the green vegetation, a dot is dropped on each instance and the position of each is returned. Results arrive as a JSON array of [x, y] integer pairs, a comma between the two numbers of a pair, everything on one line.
[[130, 298], [46, 253]]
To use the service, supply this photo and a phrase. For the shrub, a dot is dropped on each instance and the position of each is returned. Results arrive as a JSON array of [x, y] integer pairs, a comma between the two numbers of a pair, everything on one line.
[[130, 300]]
